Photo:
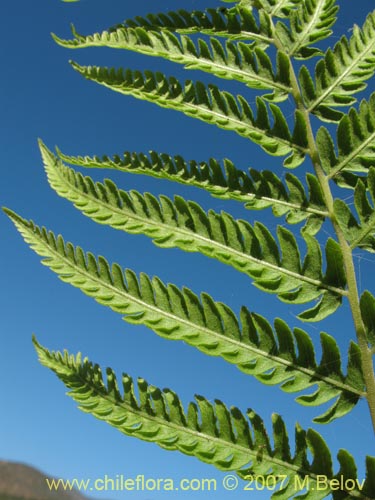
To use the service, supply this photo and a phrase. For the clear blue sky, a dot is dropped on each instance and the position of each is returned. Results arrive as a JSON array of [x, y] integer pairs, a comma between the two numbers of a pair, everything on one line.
[[41, 96]]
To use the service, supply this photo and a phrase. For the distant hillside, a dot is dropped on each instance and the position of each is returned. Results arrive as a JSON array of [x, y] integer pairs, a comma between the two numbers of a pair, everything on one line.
[[22, 482]]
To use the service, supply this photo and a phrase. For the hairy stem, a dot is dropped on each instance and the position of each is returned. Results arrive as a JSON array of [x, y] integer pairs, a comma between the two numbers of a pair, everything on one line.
[[353, 295]]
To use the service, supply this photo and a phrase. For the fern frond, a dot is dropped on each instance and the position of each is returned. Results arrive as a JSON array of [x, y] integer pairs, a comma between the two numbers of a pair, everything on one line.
[[341, 73], [355, 142], [251, 250], [211, 105], [309, 23], [256, 189], [212, 327], [359, 233], [232, 61], [211, 432], [236, 23]]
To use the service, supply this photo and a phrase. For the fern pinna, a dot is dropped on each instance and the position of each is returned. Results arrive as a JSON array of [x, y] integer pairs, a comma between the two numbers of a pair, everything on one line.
[[273, 47]]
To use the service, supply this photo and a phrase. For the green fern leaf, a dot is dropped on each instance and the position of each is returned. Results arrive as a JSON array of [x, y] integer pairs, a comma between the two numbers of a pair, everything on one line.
[[210, 326], [237, 23], [211, 432], [367, 304], [309, 23], [355, 142], [257, 190], [178, 223], [233, 61], [276, 8], [341, 73], [359, 233], [209, 104]]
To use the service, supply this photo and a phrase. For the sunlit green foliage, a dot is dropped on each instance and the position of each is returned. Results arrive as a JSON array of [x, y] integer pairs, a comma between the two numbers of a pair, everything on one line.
[[256, 43]]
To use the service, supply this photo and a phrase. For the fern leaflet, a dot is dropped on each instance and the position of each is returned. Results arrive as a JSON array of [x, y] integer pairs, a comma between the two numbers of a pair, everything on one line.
[[209, 431], [257, 190], [211, 105], [309, 23], [341, 73], [237, 23], [355, 142], [367, 304], [275, 8], [359, 234]]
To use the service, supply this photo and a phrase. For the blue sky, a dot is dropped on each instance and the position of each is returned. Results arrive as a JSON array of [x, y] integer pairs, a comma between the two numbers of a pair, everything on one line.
[[41, 96]]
